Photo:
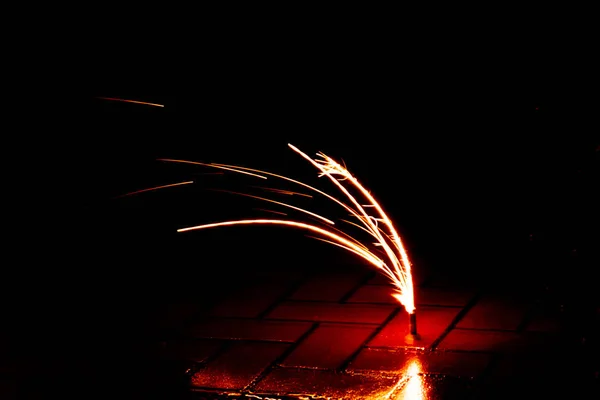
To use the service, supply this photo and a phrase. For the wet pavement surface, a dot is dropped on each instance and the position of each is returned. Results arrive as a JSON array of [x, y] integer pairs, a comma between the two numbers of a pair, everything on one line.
[[310, 333]]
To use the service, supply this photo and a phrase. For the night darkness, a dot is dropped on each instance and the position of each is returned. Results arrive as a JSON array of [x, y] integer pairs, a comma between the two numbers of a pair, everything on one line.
[[480, 157]]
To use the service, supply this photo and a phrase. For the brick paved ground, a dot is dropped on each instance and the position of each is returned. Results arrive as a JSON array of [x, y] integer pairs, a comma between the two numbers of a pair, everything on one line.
[[339, 334], [343, 336]]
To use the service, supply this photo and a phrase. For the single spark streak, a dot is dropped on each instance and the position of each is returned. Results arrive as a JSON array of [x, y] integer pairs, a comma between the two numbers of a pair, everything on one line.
[[280, 203], [131, 101], [356, 249], [288, 192], [153, 188], [213, 166], [271, 211]]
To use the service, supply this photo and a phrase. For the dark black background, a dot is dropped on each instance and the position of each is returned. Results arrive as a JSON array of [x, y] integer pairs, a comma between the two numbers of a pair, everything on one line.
[[481, 149], [474, 143]]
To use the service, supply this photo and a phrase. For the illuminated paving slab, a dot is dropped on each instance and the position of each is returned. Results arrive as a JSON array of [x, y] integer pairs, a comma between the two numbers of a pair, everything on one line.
[[328, 346]]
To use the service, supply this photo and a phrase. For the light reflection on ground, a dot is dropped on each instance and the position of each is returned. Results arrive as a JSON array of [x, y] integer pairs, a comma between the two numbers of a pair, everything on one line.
[[410, 385]]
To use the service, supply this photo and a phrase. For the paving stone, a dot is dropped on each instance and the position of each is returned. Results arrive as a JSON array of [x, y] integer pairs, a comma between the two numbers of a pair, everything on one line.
[[248, 329], [237, 367], [250, 301], [424, 296], [327, 384], [328, 287], [498, 341], [328, 346], [331, 312], [401, 362], [432, 322], [502, 313]]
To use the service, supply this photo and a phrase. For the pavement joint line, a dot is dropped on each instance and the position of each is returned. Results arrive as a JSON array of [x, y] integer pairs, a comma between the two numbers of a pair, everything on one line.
[[527, 319], [455, 321], [363, 282], [284, 296], [198, 366], [276, 363], [377, 330]]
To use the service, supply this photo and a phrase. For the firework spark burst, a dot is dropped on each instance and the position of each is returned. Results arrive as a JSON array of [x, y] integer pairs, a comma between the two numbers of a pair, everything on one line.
[[391, 259]]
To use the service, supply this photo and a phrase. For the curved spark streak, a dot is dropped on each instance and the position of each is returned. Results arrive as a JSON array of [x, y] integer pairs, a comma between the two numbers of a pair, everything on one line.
[[281, 191], [340, 240], [131, 101], [153, 188]]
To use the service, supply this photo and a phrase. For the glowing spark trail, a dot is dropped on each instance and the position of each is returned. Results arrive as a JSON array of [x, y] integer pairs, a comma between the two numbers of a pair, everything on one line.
[[396, 267], [131, 101], [153, 188]]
